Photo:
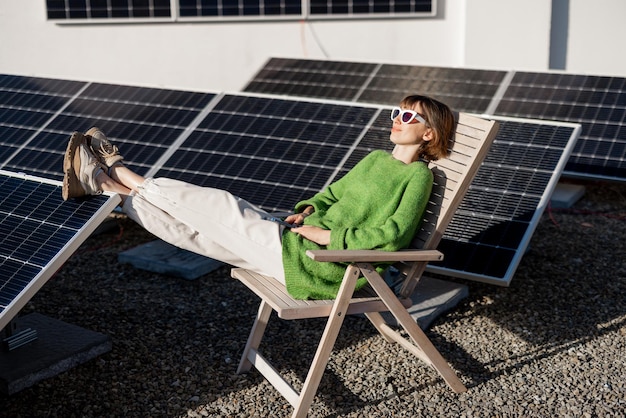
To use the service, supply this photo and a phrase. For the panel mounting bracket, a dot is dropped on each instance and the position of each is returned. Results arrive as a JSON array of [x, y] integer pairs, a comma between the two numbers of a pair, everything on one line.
[[12, 337]]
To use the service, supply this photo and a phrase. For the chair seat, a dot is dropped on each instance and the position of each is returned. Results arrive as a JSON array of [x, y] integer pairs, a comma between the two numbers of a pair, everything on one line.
[[275, 294]]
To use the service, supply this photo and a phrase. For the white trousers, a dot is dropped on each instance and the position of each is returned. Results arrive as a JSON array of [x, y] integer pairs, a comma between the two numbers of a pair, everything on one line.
[[210, 222]]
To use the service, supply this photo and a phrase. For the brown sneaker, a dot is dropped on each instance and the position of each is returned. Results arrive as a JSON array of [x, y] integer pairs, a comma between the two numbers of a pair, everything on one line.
[[80, 167], [107, 153]]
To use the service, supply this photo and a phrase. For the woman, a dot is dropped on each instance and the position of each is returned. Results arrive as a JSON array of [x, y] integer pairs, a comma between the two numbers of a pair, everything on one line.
[[377, 205]]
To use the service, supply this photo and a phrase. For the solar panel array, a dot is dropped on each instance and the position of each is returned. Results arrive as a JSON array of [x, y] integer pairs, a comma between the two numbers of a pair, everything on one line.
[[596, 102], [38, 233], [276, 150], [37, 116], [84, 10]]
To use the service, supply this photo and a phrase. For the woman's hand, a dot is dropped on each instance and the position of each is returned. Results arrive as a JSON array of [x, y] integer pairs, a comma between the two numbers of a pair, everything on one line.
[[298, 218], [313, 233]]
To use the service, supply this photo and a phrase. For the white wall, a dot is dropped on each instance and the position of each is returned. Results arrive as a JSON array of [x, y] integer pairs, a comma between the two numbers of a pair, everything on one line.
[[597, 31], [502, 34], [214, 56], [508, 34]]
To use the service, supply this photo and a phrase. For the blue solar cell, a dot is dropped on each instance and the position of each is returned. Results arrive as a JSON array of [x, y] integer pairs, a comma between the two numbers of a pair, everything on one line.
[[37, 229]]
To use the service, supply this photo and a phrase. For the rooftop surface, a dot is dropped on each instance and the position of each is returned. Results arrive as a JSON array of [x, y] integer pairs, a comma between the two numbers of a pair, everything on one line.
[[550, 344]]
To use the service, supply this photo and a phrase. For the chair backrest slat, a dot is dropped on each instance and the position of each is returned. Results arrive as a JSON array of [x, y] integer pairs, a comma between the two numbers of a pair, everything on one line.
[[452, 177]]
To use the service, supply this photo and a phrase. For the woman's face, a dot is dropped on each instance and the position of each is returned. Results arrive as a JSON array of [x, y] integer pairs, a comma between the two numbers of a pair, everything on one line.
[[411, 133]]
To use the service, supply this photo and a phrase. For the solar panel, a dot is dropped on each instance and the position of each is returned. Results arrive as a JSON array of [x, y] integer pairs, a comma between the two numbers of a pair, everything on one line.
[[312, 78], [371, 7], [230, 8], [37, 117], [38, 233], [465, 90], [27, 104], [490, 231], [90, 9], [596, 102]]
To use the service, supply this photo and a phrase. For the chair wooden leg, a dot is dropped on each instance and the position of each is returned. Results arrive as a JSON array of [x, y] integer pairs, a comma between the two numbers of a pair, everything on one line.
[[379, 323], [418, 336], [327, 342], [255, 337]]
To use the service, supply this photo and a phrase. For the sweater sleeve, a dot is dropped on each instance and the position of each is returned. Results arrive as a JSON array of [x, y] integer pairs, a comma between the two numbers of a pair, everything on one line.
[[395, 231]]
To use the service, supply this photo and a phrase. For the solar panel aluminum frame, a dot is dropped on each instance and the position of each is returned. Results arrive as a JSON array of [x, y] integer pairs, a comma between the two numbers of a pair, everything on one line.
[[111, 21], [539, 210], [38, 281]]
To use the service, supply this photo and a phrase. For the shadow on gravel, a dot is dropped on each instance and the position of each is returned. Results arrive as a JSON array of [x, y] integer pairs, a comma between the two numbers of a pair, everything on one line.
[[569, 287]]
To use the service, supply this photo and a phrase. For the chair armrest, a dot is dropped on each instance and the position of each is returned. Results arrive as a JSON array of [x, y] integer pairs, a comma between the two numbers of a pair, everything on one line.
[[374, 256]]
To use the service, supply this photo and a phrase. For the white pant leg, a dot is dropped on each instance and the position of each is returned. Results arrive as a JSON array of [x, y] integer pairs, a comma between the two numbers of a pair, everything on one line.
[[210, 222]]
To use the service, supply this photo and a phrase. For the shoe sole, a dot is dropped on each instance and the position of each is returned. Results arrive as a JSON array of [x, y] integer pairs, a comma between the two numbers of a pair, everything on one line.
[[71, 184], [92, 131], [111, 161], [89, 135]]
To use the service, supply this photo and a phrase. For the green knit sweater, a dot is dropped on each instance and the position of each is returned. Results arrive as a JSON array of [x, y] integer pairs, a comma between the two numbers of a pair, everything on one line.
[[376, 205]]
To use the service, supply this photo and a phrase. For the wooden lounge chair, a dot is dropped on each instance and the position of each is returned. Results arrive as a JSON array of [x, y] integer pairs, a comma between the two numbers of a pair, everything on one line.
[[452, 178]]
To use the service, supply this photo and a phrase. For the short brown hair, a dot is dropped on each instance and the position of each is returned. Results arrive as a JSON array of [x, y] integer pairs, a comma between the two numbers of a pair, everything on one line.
[[440, 119]]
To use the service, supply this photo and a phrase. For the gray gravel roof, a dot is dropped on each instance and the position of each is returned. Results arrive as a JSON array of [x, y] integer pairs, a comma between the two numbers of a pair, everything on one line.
[[551, 344]]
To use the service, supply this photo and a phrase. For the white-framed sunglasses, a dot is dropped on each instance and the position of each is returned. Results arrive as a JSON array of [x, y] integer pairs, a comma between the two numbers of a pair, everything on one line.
[[406, 116]]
